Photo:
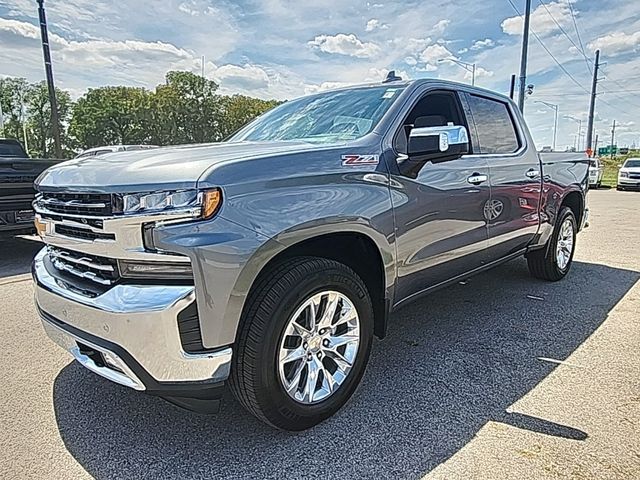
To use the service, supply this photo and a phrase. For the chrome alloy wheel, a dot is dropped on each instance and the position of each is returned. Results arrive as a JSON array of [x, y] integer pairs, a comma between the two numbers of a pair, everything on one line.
[[564, 248], [319, 347]]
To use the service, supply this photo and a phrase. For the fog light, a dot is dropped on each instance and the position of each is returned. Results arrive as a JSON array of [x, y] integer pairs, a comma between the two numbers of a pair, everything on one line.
[[113, 361], [155, 270]]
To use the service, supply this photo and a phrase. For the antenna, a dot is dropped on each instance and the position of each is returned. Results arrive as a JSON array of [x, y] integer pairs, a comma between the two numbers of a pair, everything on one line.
[[392, 77]]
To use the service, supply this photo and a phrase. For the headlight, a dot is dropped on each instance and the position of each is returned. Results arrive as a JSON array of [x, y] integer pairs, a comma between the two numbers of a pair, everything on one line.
[[199, 203], [623, 175]]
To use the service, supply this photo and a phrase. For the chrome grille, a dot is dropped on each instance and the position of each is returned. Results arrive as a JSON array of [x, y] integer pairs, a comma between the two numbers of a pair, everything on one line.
[[97, 269], [90, 204]]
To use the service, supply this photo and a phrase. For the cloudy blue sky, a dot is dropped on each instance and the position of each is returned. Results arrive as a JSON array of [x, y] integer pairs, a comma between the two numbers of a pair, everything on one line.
[[283, 49]]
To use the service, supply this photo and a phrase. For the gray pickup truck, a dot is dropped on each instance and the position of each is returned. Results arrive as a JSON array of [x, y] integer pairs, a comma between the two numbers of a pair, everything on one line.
[[270, 261]]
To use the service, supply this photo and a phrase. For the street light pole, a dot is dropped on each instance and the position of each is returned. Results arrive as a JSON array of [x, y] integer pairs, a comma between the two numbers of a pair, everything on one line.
[[555, 120], [469, 67], [55, 122]]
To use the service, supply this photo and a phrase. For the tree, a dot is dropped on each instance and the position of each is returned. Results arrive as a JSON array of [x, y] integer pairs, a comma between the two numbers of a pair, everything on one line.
[[238, 110], [13, 92], [186, 109], [112, 115], [39, 123]]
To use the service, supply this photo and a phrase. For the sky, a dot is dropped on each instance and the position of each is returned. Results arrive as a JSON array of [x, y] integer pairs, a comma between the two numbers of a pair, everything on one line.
[[285, 49]]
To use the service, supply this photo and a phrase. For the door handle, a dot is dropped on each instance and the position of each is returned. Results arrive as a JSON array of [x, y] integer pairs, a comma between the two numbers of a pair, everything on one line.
[[532, 173], [477, 179]]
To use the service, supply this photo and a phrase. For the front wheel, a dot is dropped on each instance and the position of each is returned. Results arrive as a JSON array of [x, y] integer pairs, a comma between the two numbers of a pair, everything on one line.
[[304, 343], [553, 262]]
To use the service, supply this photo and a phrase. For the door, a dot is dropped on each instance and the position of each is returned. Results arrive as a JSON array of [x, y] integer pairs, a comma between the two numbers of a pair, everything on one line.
[[515, 174], [438, 204]]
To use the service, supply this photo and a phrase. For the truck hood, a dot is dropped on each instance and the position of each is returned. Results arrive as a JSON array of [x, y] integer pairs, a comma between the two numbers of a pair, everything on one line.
[[175, 167], [630, 170]]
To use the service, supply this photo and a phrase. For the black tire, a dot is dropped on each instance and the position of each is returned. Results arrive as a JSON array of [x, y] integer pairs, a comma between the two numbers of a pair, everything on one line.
[[254, 378], [619, 188], [543, 263]]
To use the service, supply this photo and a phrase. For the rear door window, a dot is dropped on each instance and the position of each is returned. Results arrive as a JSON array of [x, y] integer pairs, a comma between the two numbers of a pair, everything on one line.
[[496, 131]]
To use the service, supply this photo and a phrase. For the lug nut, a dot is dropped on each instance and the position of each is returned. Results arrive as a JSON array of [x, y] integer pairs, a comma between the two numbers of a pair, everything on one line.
[[305, 345], [319, 354], [325, 343]]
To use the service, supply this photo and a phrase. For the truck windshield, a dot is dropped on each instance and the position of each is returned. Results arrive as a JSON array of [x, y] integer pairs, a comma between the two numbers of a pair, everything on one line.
[[323, 118], [632, 163]]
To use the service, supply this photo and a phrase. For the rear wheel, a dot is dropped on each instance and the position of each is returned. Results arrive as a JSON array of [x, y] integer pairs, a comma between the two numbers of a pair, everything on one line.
[[554, 262], [304, 343]]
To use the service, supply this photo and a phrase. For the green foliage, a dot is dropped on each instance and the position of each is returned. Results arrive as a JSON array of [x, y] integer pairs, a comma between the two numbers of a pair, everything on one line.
[[12, 99], [26, 111], [184, 109], [111, 115], [39, 123]]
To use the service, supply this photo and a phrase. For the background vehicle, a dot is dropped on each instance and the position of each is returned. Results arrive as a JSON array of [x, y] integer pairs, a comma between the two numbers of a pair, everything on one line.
[[97, 151], [629, 174], [596, 172], [17, 174], [270, 261]]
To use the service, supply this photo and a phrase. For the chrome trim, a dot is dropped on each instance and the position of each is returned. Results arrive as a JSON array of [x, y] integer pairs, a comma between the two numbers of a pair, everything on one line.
[[69, 341], [142, 319], [86, 261], [70, 203], [127, 229], [79, 273]]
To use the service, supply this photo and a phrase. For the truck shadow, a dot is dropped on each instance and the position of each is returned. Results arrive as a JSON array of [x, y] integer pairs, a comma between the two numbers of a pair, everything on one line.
[[451, 363]]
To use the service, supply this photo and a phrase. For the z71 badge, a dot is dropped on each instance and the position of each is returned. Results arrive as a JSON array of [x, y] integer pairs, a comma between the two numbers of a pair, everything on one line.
[[355, 160]]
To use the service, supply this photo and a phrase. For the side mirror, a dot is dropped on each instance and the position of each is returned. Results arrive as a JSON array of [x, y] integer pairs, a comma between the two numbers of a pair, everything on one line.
[[438, 142]]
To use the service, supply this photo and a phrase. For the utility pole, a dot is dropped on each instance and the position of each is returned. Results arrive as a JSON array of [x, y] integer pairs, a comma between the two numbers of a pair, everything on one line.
[[525, 52], [592, 106], [595, 146], [613, 137], [55, 123]]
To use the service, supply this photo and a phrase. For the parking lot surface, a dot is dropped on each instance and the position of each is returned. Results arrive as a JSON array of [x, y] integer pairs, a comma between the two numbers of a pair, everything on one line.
[[501, 376]]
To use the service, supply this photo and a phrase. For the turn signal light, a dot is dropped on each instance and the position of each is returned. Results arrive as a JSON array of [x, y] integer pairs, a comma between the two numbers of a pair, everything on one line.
[[211, 200]]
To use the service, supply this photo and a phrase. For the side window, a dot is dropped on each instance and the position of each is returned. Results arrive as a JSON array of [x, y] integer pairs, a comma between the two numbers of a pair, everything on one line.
[[494, 126], [435, 109]]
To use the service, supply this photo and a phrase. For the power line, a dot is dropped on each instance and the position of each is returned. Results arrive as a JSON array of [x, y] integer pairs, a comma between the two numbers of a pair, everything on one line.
[[575, 25], [580, 50], [566, 72]]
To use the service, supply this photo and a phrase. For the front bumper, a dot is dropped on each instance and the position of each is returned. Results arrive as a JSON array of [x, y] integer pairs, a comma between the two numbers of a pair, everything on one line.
[[132, 328], [629, 183]]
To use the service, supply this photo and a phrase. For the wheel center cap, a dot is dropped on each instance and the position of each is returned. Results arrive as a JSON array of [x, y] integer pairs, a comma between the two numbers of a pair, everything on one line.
[[315, 343]]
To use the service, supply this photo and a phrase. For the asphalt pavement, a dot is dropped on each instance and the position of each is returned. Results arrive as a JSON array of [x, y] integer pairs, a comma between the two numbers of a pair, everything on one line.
[[501, 376]]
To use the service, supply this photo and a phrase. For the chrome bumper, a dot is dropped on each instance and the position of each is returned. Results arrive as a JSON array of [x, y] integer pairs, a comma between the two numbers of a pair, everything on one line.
[[140, 320]]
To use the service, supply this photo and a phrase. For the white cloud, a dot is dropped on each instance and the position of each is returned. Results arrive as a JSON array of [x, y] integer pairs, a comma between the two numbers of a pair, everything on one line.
[[481, 44], [441, 26], [434, 53], [617, 43], [247, 77], [541, 21], [374, 24], [345, 44], [411, 61]]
